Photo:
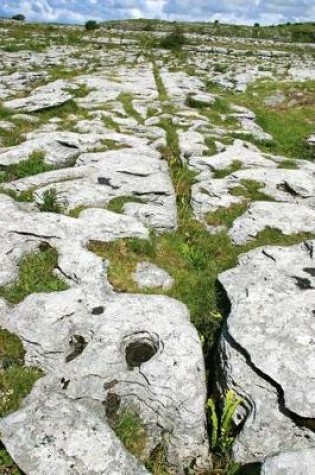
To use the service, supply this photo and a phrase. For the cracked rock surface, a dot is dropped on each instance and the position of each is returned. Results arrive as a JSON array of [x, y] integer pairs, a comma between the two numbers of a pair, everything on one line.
[[167, 386], [266, 348]]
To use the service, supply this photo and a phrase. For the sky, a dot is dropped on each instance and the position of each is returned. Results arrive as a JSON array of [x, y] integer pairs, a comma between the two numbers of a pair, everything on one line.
[[226, 11]]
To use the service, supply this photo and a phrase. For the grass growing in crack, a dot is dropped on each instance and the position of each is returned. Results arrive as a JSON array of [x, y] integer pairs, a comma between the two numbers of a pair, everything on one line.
[[235, 166], [289, 122], [50, 202], [81, 91], [159, 84], [130, 430], [22, 196], [126, 100], [16, 380], [250, 189], [32, 166], [288, 164], [35, 275], [226, 216], [117, 204]]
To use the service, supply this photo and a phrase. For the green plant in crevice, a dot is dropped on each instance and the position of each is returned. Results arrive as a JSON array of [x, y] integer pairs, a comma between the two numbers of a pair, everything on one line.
[[33, 165], [221, 439], [129, 429], [35, 275], [50, 202]]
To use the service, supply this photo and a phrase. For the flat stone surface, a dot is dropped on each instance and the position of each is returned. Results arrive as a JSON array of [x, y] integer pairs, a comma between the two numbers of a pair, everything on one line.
[[149, 275], [65, 437], [290, 463], [289, 218], [44, 97]]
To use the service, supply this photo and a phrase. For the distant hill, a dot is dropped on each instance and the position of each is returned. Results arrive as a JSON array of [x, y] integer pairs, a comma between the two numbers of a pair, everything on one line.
[[295, 32]]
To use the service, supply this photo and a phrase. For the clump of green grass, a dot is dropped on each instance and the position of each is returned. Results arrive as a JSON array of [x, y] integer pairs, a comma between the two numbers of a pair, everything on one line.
[[32, 166], [16, 380], [220, 67], [75, 212], [50, 202], [62, 111], [35, 275], [131, 431], [235, 166], [226, 216], [117, 204], [195, 104], [81, 91], [5, 113], [288, 164], [22, 196], [250, 189], [173, 41], [7, 466]]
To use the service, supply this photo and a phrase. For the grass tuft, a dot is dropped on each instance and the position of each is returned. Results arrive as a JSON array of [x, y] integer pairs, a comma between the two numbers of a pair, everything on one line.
[[36, 275], [32, 166]]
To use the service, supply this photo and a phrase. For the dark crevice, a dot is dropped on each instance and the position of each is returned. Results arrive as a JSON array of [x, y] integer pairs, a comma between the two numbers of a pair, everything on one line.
[[38, 236], [77, 345], [141, 175], [68, 145], [302, 283], [310, 271], [106, 181], [67, 276]]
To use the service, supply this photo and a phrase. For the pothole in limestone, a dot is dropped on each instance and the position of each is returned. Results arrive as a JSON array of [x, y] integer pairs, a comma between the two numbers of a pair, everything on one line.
[[139, 348]]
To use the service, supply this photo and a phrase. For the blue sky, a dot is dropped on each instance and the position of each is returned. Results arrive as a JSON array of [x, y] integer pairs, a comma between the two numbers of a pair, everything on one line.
[[231, 11]]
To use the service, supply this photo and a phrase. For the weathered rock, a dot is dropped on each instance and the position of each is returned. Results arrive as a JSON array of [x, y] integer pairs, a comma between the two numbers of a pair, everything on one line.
[[63, 436], [141, 350], [43, 97], [100, 177], [289, 218], [274, 99], [149, 275], [311, 139], [266, 349], [290, 463]]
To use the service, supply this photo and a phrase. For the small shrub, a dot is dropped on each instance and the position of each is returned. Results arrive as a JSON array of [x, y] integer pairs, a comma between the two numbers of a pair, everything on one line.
[[174, 40], [91, 25], [19, 17]]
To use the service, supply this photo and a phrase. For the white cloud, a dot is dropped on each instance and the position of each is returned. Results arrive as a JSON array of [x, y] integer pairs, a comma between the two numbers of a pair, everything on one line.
[[236, 11]]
